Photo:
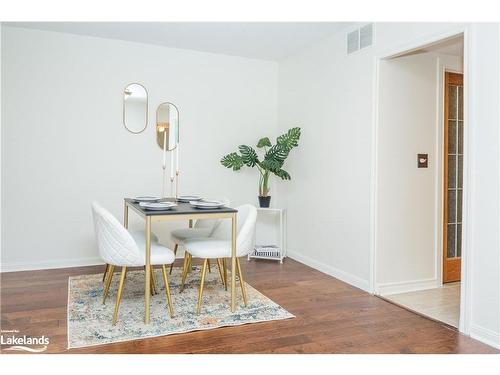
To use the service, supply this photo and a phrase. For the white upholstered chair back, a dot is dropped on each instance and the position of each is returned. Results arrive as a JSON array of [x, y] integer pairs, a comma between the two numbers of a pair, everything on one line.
[[211, 223], [246, 219], [116, 245]]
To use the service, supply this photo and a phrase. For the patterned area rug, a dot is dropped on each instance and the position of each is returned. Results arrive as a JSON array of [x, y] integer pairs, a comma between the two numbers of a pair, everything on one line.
[[89, 321]]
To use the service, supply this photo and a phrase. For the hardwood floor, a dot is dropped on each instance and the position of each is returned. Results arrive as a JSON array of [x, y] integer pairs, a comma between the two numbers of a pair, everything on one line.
[[331, 317]]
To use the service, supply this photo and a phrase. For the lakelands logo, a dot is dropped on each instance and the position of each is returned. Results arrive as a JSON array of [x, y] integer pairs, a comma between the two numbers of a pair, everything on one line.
[[23, 342]]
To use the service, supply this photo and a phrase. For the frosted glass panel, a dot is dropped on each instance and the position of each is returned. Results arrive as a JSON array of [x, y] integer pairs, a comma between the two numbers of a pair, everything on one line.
[[452, 206], [459, 240], [460, 137], [460, 170], [450, 251], [459, 206], [452, 137], [460, 103], [452, 171], [452, 102]]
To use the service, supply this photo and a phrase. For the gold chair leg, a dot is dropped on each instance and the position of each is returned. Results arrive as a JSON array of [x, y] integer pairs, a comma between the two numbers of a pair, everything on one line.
[[151, 284], [175, 253], [167, 291], [105, 273], [187, 262], [153, 281], [242, 283], [190, 263], [209, 270], [109, 276], [224, 265], [202, 282], [221, 272], [119, 295]]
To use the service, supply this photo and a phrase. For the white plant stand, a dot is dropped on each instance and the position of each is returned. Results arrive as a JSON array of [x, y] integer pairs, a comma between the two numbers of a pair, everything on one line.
[[281, 245]]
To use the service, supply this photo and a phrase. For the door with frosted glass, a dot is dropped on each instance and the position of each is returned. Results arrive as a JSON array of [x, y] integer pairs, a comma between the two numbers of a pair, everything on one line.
[[453, 175]]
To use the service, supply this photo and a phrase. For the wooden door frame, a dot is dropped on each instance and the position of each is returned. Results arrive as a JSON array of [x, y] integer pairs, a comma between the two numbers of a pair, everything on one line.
[[468, 74], [449, 78]]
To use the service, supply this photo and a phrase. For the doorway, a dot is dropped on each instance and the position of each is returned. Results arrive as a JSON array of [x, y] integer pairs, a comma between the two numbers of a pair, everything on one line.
[[419, 183]]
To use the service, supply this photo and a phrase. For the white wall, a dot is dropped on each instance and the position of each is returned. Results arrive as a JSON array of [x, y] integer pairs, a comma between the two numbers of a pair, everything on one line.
[[485, 218], [328, 199], [409, 199], [331, 96], [64, 145]]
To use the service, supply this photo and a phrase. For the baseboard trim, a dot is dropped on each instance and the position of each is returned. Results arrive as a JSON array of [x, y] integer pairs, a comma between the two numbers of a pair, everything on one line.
[[485, 335], [329, 270], [26, 266], [387, 289]]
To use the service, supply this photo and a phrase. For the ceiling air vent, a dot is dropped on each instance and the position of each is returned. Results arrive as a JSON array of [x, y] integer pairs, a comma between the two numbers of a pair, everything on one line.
[[353, 41], [360, 38]]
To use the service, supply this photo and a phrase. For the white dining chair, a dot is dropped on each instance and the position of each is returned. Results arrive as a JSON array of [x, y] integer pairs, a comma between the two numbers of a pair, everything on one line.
[[218, 246], [120, 248], [201, 228], [136, 234]]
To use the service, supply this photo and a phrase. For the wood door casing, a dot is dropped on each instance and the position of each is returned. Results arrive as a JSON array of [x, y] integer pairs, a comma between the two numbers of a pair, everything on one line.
[[453, 189]]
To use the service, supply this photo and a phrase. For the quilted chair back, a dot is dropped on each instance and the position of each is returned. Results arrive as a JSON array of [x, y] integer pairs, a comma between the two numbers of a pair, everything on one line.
[[116, 245], [211, 223], [246, 219]]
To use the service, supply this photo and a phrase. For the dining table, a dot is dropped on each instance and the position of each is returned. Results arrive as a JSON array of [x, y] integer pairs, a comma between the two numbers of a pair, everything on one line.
[[183, 211]]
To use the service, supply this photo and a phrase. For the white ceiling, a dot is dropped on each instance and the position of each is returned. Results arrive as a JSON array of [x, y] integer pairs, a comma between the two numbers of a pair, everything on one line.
[[260, 40]]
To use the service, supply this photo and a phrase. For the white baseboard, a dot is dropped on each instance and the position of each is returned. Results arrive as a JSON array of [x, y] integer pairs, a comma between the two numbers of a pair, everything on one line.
[[27, 266], [386, 289], [329, 270], [485, 335]]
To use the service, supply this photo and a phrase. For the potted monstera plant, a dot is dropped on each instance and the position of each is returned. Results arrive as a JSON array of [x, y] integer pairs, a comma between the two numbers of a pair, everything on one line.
[[272, 162]]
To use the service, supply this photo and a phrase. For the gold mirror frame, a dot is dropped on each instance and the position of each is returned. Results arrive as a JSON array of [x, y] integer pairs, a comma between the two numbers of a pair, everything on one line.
[[162, 126], [146, 110]]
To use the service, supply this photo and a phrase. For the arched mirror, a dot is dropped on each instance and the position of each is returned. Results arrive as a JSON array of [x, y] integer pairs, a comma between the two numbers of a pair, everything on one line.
[[167, 126], [135, 108]]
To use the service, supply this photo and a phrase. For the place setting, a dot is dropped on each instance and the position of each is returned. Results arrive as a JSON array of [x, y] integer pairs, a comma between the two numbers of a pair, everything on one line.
[[158, 204], [154, 203]]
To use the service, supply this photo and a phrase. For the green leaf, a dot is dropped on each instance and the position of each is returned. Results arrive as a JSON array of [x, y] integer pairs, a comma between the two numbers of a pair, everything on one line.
[[264, 142], [248, 155], [275, 157], [290, 139], [284, 175], [232, 160]]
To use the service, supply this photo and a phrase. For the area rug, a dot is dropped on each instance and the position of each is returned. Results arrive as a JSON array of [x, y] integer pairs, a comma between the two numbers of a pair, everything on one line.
[[89, 321]]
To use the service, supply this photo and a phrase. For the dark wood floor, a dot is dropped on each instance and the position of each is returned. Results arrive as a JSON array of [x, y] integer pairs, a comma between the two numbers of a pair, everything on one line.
[[331, 317]]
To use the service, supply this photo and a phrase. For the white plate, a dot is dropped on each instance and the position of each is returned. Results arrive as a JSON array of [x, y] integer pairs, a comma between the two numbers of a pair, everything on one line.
[[188, 198], [158, 206], [206, 204], [146, 199]]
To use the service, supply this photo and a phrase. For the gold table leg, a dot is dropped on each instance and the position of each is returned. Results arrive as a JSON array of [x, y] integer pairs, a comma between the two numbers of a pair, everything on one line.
[[233, 263], [147, 281]]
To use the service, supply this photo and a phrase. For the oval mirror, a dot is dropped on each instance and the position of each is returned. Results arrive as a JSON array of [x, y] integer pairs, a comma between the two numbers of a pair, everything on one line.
[[135, 108], [167, 126]]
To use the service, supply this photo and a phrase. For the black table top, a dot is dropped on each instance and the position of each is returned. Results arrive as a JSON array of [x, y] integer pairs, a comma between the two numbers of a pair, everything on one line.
[[181, 209]]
